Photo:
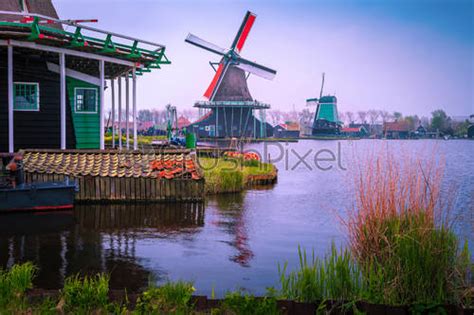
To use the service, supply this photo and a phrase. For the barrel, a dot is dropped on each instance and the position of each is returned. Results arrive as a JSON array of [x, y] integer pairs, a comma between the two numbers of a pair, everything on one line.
[[190, 140]]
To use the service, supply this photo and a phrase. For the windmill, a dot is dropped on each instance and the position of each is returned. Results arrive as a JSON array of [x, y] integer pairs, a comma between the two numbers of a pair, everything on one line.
[[232, 107], [326, 120]]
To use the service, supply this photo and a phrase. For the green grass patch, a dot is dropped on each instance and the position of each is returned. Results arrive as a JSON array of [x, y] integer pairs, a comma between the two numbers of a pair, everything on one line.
[[84, 295], [242, 304], [13, 285], [170, 298], [230, 175], [141, 139]]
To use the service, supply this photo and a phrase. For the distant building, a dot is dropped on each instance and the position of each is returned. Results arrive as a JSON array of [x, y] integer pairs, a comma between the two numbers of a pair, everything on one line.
[[354, 131], [470, 131], [396, 130], [288, 130], [183, 122], [374, 130]]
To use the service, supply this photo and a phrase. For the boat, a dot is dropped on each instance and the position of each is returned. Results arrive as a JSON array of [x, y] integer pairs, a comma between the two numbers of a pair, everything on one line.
[[17, 195]]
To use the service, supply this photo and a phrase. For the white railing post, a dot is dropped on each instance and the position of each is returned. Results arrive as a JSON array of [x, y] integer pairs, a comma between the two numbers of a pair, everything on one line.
[[101, 95], [112, 83], [62, 84], [134, 110], [120, 112], [127, 111], [11, 146]]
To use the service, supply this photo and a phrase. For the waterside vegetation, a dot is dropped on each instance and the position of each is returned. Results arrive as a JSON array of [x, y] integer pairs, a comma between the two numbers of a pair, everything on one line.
[[223, 175]]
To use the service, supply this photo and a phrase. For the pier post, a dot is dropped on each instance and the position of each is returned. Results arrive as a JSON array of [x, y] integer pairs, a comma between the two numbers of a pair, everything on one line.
[[112, 84], [11, 146], [101, 92], [62, 87], [134, 109], [127, 111]]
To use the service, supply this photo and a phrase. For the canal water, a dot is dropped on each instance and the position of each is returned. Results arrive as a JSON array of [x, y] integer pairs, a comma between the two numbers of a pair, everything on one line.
[[232, 241]]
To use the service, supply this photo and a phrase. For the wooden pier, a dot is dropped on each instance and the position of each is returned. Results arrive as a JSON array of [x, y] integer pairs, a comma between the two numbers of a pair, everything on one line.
[[126, 176]]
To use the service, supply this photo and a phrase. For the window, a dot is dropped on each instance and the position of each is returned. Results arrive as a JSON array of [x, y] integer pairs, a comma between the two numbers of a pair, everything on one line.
[[85, 100], [26, 96]]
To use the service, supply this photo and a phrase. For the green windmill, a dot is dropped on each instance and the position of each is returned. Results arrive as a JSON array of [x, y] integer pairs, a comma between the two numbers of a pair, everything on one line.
[[326, 120]]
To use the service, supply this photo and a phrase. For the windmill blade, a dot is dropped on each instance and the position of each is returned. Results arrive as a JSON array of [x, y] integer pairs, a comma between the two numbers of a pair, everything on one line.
[[256, 69], [243, 32], [196, 41], [212, 88]]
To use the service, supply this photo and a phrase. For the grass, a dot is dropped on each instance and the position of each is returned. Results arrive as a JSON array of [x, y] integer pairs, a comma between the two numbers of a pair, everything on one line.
[[336, 277], [230, 175], [141, 139], [84, 295], [242, 304], [170, 298], [14, 283]]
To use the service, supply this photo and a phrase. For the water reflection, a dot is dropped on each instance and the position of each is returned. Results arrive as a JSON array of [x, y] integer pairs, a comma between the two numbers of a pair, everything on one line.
[[232, 219], [92, 239]]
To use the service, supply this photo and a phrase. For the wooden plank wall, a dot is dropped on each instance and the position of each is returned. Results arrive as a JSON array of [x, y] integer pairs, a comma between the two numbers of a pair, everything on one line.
[[129, 189]]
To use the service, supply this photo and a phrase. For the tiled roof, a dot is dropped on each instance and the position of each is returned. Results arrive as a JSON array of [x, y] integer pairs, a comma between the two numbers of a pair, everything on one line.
[[396, 126], [349, 129], [112, 164]]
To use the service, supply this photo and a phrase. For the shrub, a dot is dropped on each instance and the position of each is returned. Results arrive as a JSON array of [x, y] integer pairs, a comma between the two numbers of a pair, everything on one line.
[[171, 298], [336, 277], [85, 294]]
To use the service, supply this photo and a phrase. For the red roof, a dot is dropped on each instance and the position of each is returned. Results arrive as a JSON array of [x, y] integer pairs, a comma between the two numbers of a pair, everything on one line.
[[396, 126], [183, 122], [291, 126], [350, 129]]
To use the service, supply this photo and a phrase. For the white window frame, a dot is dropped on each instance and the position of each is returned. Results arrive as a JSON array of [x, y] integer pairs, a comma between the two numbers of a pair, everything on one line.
[[96, 100], [37, 97]]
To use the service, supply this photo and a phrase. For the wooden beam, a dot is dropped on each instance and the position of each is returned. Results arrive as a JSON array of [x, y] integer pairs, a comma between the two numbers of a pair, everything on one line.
[[70, 52]]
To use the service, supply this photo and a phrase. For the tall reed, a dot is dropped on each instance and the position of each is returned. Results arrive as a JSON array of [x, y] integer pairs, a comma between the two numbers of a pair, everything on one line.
[[400, 232]]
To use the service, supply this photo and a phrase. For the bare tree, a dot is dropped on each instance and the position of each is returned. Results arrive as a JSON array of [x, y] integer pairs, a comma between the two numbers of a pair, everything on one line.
[[341, 116], [362, 115], [385, 115], [373, 116], [350, 117]]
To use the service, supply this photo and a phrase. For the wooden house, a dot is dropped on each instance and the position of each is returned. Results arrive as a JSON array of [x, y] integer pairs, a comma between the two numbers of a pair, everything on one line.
[[396, 130], [53, 80], [287, 130]]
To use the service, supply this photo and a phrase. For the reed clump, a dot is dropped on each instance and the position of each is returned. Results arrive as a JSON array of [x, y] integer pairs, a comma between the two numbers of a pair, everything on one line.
[[400, 233], [335, 277]]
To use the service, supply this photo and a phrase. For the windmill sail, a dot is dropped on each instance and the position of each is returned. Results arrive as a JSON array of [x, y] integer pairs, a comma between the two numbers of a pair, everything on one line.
[[194, 40], [243, 32], [256, 69]]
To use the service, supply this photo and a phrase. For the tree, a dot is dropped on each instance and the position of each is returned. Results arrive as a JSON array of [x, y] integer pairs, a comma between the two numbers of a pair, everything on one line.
[[440, 121], [385, 115], [350, 117], [144, 115], [306, 120], [412, 121], [397, 115], [362, 115]]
